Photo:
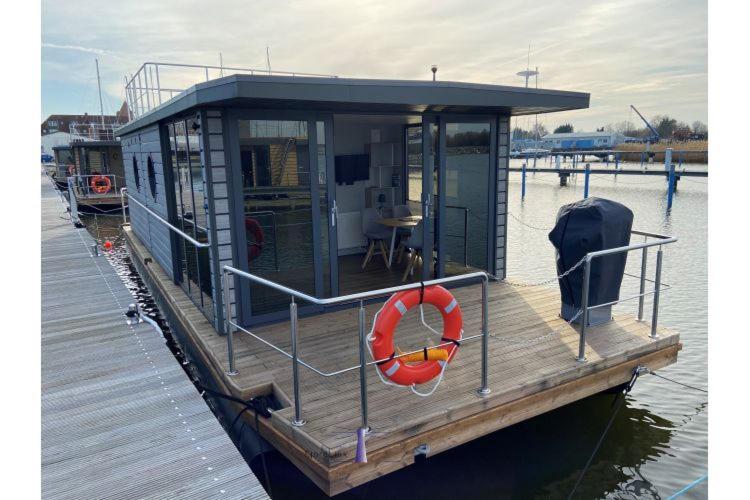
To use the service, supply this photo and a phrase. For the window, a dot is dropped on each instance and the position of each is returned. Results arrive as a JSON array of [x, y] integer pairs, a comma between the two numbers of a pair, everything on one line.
[[151, 176], [136, 175], [190, 213]]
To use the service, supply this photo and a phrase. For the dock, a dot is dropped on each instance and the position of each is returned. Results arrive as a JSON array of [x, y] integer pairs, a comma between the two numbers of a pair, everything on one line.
[[120, 417], [533, 370]]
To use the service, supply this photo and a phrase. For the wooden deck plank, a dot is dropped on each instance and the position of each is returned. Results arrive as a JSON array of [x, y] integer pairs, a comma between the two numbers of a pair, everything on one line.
[[120, 418]]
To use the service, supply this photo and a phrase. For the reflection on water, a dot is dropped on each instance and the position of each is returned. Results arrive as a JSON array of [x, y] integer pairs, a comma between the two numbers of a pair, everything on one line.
[[658, 442]]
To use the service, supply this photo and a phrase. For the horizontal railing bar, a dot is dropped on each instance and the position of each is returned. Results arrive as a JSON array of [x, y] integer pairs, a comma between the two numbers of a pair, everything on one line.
[[666, 287], [158, 217], [609, 251], [351, 368], [355, 296]]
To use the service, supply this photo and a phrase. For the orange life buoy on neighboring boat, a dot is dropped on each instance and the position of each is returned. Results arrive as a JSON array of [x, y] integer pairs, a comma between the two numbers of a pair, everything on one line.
[[101, 184], [71, 169], [254, 249], [395, 367]]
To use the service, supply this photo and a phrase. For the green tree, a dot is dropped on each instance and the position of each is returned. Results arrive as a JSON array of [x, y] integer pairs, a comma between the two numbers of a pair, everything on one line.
[[565, 128]]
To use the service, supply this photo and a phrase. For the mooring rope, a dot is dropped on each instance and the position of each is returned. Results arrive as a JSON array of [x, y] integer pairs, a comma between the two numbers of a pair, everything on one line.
[[619, 402], [688, 487]]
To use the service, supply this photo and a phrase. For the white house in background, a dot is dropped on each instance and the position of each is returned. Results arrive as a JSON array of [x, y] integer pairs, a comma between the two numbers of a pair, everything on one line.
[[582, 140], [49, 141]]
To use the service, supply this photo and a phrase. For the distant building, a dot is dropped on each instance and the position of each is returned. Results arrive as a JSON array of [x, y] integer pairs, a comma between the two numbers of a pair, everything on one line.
[[62, 123], [578, 141]]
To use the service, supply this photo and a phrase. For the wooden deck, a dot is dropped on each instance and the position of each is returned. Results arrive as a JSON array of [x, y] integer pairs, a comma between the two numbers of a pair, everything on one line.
[[120, 418], [532, 370]]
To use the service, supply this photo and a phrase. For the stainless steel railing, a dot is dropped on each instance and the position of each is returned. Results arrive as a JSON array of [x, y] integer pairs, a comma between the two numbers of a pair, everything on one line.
[[176, 230], [157, 82], [659, 240], [359, 298]]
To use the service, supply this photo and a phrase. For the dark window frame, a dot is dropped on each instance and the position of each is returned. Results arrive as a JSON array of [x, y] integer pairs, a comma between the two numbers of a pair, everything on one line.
[[151, 173], [136, 174]]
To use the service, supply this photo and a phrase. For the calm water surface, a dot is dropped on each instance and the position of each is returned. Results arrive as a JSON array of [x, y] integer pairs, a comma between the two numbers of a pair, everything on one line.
[[658, 442]]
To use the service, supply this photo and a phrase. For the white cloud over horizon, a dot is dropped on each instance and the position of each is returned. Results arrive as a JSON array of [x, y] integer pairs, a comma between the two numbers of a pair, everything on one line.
[[647, 53]]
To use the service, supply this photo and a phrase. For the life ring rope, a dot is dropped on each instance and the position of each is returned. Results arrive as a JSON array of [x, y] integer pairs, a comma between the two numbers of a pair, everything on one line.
[[444, 342]]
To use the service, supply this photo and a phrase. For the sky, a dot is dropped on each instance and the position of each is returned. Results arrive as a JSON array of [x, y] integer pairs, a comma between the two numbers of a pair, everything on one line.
[[652, 54]]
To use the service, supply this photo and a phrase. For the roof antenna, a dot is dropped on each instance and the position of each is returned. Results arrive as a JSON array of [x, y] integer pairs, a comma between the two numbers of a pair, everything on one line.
[[268, 59], [434, 71], [221, 64]]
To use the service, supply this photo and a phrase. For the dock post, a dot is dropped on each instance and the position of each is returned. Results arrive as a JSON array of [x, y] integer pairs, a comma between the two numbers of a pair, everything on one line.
[[617, 162], [657, 291], [523, 181], [643, 284], [586, 181], [484, 388], [670, 187], [297, 420], [363, 367], [667, 158], [228, 331], [584, 311]]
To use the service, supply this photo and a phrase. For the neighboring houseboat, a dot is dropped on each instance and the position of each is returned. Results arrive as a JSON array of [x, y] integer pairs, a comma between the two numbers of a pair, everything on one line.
[[285, 209], [96, 173]]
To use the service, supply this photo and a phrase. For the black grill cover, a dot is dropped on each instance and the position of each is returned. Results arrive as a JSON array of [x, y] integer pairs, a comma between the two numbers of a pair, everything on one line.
[[587, 226]]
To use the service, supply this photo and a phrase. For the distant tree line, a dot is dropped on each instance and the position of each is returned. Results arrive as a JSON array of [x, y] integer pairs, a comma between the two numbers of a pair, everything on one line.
[[666, 126]]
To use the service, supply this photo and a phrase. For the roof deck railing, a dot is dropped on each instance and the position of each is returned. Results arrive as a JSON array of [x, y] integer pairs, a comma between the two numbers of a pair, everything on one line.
[[94, 131], [155, 83]]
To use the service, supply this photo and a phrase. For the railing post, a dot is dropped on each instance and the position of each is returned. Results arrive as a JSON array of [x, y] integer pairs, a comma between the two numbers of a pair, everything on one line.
[[228, 330], [466, 237], [363, 368], [584, 311], [643, 284], [122, 202], [523, 181], [586, 181], [484, 388], [657, 290], [297, 420]]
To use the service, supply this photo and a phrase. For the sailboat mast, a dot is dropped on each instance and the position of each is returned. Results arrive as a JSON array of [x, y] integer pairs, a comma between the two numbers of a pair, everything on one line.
[[99, 84]]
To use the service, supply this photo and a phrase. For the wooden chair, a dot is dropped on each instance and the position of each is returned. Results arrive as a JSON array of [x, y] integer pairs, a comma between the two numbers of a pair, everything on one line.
[[375, 233]]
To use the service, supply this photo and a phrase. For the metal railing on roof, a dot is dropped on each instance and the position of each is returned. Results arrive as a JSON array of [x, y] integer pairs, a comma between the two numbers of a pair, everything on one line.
[[155, 83], [94, 131]]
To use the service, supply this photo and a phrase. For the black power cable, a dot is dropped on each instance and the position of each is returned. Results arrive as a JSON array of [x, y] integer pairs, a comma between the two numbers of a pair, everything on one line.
[[261, 405]]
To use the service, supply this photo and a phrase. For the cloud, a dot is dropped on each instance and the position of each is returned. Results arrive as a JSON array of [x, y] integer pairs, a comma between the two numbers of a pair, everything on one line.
[[645, 52], [73, 47]]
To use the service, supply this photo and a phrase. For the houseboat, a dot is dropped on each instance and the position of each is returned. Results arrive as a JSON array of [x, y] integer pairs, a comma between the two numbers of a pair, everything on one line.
[[292, 228], [91, 167]]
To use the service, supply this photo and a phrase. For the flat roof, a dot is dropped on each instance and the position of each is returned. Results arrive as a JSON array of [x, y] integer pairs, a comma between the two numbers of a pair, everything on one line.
[[362, 95], [94, 144]]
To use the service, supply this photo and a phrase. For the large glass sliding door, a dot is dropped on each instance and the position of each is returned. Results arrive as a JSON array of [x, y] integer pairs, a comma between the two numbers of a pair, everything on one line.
[[466, 191], [286, 220]]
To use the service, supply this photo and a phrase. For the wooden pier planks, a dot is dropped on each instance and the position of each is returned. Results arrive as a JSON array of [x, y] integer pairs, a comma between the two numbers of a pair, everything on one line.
[[120, 418]]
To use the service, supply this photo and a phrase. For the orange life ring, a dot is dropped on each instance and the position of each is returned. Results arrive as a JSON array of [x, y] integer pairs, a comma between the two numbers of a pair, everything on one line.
[[395, 367], [254, 249], [101, 184], [71, 169]]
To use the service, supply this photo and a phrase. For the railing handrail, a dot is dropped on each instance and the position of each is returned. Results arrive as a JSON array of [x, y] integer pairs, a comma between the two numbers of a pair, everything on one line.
[[354, 297], [178, 231], [661, 240]]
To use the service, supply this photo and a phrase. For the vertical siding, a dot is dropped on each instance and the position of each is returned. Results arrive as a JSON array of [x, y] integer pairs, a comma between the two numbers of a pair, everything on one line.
[[152, 233], [214, 159], [503, 163]]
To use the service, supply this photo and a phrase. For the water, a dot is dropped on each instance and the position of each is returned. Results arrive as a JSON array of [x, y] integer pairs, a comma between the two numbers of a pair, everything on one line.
[[658, 441]]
